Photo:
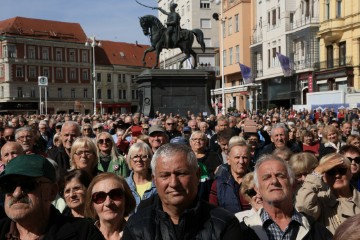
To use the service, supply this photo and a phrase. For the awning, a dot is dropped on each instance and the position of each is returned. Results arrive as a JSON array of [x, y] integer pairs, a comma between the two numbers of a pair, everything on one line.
[[342, 79], [321, 82]]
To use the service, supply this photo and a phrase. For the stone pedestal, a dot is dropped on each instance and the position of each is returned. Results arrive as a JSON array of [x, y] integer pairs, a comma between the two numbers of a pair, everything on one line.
[[175, 91]]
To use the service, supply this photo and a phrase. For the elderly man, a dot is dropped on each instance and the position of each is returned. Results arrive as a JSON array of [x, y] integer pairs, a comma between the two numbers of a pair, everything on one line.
[[26, 137], [170, 126], [28, 183], [70, 131], [157, 137], [176, 212], [10, 150], [280, 140], [222, 124], [345, 130], [278, 219]]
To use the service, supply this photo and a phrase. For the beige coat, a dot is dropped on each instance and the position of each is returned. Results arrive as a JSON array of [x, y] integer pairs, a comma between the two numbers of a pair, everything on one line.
[[316, 200]]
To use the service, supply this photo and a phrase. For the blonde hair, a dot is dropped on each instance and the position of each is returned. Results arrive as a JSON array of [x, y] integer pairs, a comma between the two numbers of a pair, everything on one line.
[[83, 142], [246, 184], [303, 162]]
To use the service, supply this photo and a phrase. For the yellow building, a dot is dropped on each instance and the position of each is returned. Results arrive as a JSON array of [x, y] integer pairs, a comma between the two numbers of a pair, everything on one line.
[[339, 38]]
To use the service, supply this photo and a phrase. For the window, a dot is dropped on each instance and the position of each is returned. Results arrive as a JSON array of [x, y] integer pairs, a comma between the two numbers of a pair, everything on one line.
[[237, 57], [58, 54], [269, 19], [1, 70], [237, 23], [224, 58], [9, 51], [230, 56], [31, 52], [73, 93], [327, 9], [2, 92], [124, 94], [330, 56], [85, 74], [109, 94], [72, 55], [99, 94], [85, 93], [32, 92], [109, 77], [291, 17], [84, 56], [307, 8], [19, 71], [98, 77], [60, 93], [273, 22], [342, 54], [208, 42], [230, 26], [46, 72], [19, 92], [338, 8], [72, 74], [302, 46], [279, 13], [205, 4], [205, 23], [32, 72], [133, 95], [224, 29], [269, 58], [59, 73], [45, 53], [273, 62]]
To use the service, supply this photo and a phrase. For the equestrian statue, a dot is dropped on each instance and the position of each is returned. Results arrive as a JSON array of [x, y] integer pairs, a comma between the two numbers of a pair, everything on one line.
[[170, 37]]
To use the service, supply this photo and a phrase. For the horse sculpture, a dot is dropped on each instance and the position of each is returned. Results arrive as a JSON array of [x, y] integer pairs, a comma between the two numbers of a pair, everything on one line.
[[152, 26]]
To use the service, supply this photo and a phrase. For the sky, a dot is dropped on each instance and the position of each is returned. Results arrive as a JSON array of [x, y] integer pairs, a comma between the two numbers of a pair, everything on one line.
[[114, 20]]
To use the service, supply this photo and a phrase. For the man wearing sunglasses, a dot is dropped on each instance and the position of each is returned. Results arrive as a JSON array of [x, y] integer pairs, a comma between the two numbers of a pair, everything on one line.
[[353, 154], [333, 203], [29, 185], [278, 219], [176, 212]]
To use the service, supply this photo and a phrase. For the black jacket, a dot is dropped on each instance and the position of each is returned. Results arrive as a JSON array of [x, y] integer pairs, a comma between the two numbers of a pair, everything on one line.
[[61, 228], [60, 156], [204, 221]]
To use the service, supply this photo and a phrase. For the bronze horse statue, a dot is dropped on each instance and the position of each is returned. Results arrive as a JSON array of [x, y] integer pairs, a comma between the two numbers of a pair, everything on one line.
[[152, 26]]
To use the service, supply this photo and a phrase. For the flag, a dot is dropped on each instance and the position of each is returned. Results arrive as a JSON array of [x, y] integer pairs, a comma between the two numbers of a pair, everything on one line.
[[246, 73], [286, 64]]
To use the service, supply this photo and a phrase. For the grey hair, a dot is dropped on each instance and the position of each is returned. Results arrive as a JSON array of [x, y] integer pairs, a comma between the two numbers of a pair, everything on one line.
[[72, 123], [269, 157], [167, 151], [23, 129], [280, 125]]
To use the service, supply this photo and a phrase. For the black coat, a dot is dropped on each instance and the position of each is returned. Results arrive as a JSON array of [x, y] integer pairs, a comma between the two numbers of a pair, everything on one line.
[[204, 221], [61, 227]]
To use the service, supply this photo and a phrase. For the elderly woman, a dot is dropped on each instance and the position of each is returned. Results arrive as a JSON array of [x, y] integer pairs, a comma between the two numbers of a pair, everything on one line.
[[250, 195], [109, 158], [76, 183], [140, 181], [109, 201], [87, 131], [330, 205], [331, 141], [309, 144], [302, 164], [83, 156], [353, 140]]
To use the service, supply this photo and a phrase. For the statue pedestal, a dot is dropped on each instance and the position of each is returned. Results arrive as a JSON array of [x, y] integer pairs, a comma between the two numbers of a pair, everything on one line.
[[175, 91]]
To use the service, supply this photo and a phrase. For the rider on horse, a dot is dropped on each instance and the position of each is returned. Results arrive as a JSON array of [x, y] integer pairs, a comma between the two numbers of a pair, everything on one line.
[[173, 25]]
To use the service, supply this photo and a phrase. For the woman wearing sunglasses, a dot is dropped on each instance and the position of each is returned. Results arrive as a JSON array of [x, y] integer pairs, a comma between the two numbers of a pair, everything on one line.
[[109, 201], [76, 183], [250, 195], [353, 154], [83, 156], [327, 194], [108, 157], [140, 181]]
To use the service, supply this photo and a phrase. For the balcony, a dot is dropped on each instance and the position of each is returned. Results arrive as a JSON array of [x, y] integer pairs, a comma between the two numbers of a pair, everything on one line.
[[258, 73], [303, 64], [256, 37], [304, 21], [346, 62]]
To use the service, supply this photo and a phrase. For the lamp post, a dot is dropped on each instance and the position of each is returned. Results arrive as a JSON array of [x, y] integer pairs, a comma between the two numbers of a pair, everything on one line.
[[216, 17], [101, 111], [93, 43]]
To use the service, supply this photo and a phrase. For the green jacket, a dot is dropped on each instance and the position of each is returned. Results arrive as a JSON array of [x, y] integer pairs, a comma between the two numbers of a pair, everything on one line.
[[117, 166]]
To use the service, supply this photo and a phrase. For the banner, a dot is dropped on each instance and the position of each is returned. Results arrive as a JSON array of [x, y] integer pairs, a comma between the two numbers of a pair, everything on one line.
[[286, 64], [246, 73]]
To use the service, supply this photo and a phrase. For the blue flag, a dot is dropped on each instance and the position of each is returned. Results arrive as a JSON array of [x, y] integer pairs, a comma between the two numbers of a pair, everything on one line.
[[286, 64], [246, 73]]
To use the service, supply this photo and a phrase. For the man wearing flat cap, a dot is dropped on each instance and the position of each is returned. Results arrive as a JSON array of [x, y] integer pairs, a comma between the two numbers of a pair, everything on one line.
[[157, 137], [29, 185]]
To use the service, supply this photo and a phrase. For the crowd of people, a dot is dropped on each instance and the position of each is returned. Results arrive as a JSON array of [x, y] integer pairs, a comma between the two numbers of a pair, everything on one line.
[[276, 174]]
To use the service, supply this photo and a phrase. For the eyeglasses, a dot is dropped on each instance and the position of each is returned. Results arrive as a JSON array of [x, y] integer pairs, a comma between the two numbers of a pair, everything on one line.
[[198, 140], [87, 153], [9, 138], [334, 171], [142, 157], [24, 137], [116, 194], [95, 129], [26, 186], [102, 141], [86, 129], [355, 159], [250, 192]]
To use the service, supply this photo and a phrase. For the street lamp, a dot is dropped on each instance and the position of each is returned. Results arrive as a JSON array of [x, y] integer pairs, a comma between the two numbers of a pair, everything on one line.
[[93, 43], [216, 17], [101, 111]]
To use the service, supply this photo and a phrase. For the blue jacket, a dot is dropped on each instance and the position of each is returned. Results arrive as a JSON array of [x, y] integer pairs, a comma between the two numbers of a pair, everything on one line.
[[148, 193]]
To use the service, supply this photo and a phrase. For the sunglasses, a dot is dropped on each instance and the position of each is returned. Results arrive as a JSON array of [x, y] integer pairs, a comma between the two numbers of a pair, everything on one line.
[[250, 192], [102, 141], [334, 171], [26, 186], [86, 129], [355, 159], [116, 194]]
